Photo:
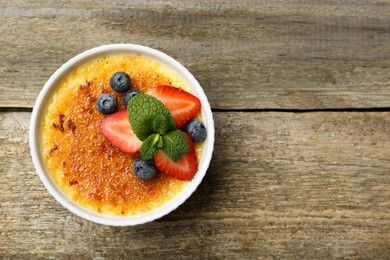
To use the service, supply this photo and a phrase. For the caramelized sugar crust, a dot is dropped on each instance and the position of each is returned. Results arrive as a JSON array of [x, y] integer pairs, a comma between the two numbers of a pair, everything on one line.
[[90, 170]]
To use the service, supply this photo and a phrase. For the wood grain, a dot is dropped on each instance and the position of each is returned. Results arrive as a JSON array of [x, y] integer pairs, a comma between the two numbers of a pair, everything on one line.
[[280, 185], [246, 54]]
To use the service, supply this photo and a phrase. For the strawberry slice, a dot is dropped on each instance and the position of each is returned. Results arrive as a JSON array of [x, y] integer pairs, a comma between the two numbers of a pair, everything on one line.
[[183, 105], [184, 169], [117, 130]]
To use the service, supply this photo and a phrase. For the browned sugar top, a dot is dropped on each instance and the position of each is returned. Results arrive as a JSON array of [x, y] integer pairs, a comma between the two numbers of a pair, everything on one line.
[[90, 170]]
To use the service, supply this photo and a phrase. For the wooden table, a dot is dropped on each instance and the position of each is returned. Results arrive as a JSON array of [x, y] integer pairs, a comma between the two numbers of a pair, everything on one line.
[[300, 92]]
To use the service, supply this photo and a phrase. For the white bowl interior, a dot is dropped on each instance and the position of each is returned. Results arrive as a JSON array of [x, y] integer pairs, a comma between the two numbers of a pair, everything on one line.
[[37, 117]]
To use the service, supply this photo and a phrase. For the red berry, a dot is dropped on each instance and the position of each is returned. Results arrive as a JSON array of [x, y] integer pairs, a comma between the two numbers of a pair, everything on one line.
[[183, 105], [117, 130], [184, 169]]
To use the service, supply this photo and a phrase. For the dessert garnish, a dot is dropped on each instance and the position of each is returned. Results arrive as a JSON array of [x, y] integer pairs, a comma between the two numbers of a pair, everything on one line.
[[128, 95], [120, 82], [184, 169], [151, 125], [106, 104], [180, 103], [117, 130], [196, 130], [144, 169]]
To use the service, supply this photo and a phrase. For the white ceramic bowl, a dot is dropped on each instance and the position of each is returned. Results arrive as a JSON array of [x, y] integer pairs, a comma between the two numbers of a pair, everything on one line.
[[37, 117]]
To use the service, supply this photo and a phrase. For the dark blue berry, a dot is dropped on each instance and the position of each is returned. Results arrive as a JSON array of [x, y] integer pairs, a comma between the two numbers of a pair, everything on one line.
[[144, 169], [106, 104], [128, 95], [196, 130], [120, 82]]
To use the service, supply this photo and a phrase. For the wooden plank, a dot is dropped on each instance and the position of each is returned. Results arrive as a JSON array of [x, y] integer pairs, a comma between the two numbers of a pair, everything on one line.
[[280, 185], [246, 54]]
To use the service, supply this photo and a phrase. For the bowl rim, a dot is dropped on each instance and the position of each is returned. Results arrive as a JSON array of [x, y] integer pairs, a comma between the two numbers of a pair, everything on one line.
[[36, 121]]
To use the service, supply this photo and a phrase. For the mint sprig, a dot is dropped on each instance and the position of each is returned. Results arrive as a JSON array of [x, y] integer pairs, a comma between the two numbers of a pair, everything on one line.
[[153, 124], [142, 110], [160, 124], [175, 145], [149, 146]]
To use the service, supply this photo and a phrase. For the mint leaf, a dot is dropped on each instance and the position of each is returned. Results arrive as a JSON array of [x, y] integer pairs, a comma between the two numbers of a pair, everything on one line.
[[149, 146], [160, 124], [142, 110], [160, 143], [153, 124], [175, 145]]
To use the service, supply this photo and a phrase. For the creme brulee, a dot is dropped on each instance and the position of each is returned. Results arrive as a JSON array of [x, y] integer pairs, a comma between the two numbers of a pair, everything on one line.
[[84, 164]]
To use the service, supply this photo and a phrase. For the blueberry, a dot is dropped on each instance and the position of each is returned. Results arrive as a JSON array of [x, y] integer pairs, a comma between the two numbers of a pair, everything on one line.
[[196, 130], [128, 95], [144, 169], [106, 104], [120, 82]]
